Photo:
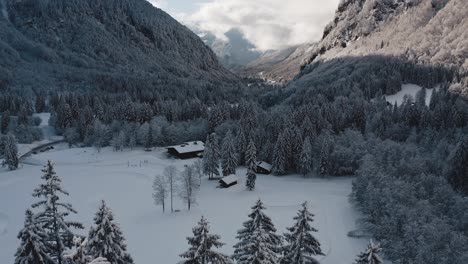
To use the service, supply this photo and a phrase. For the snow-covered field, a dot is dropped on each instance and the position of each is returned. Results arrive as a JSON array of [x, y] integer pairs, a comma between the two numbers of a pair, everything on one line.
[[408, 89], [124, 180]]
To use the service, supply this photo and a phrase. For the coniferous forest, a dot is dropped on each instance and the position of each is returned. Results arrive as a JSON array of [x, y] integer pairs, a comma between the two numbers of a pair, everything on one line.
[[409, 160]]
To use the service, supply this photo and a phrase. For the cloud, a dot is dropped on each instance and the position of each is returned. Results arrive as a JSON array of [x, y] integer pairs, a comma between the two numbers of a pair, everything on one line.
[[268, 24], [158, 3]]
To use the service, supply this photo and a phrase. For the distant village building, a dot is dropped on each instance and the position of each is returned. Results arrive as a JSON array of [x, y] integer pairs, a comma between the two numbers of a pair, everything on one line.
[[187, 150], [228, 181], [264, 168]]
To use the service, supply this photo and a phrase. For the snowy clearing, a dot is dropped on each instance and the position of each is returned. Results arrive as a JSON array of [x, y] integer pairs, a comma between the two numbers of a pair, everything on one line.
[[124, 180], [408, 89]]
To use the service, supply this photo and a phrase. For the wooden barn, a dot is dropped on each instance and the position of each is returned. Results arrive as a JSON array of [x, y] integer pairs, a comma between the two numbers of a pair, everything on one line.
[[228, 181], [264, 168], [187, 150]]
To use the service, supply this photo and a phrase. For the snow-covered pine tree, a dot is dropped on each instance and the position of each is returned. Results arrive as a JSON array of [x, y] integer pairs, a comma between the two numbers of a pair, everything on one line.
[[201, 244], [11, 152], [325, 151], [301, 246], [241, 141], [229, 155], [370, 255], [260, 250], [265, 233], [160, 191], [32, 249], [106, 240], [306, 158], [211, 156], [279, 156], [78, 255], [206, 157], [251, 162], [52, 216]]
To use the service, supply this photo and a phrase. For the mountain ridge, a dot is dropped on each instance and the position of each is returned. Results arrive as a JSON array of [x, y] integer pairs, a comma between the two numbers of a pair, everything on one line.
[[49, 43]]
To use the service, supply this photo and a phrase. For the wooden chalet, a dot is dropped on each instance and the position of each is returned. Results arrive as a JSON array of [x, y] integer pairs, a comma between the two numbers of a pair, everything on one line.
[[264, 168], [228, 181], [187, 150]]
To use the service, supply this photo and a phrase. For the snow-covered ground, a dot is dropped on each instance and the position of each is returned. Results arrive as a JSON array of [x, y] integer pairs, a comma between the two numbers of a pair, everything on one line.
[[408, 89], [124, 180]]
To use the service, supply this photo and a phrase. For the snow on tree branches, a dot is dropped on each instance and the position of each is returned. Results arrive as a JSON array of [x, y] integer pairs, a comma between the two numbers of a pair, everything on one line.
[[301, 246], [370, 255], [32, 248], [258, 241], [105, 239], [52, 217], [251, 162], [200, 251]]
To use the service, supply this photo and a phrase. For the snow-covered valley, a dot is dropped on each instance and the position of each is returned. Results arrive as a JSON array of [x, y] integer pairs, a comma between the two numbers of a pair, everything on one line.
[[124, 180]]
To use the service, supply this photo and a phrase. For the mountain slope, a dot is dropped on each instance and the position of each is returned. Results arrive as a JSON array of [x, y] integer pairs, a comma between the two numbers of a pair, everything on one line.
[[83, 44], [425, 32], [279, 66]]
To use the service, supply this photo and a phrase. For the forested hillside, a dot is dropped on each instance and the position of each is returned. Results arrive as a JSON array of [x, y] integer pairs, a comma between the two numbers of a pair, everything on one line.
[[157, 84], [111, 45]]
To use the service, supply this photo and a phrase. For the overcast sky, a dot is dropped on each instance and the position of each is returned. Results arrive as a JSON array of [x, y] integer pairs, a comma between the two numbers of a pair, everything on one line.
[[268, 24]]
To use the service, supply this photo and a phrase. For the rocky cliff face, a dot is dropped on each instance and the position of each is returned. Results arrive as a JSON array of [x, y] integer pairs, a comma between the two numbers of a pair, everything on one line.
[[46, 44], [424, 31], [429, 32]]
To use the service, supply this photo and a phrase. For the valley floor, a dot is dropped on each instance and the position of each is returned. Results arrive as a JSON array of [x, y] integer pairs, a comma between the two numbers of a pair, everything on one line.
[[124, 180]]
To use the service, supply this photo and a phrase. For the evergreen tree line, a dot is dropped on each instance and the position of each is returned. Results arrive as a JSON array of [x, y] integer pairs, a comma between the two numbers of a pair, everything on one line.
[[48, 237], [23, 126], [326, 122], [258, 242]]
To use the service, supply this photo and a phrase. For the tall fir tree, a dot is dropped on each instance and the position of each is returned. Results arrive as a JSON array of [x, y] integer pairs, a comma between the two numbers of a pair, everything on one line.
[[257, 237], [52, 216], [106, 240], [201, 244], [279, 156], [211, 156], [301, 246], [306, 158], [11, 152], [325, 142], [229, 158], [32, 249], [370, 255], [251, 162], [242, 145]]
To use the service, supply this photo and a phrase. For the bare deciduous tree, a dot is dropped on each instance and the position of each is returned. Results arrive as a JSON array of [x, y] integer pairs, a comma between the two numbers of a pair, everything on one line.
[[189, 186], [160, 188], [170, 173]]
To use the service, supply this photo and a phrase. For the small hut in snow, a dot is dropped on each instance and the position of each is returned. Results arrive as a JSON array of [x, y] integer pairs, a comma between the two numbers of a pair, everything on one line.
[[187, 150], [264, 168], [228, 181]]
